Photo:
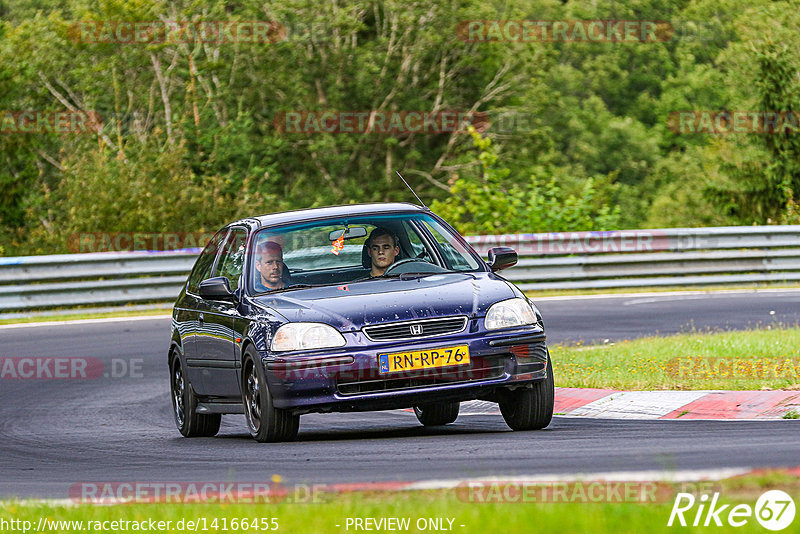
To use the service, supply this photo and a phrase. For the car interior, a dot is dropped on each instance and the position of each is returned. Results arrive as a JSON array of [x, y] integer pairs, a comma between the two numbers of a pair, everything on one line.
[[361, 270]]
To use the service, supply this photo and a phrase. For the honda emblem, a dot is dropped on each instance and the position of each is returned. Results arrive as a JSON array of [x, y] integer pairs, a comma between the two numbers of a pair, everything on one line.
[[416, 329]]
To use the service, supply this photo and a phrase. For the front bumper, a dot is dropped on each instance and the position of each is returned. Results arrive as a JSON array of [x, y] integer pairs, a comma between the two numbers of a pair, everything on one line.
[[348, 379]]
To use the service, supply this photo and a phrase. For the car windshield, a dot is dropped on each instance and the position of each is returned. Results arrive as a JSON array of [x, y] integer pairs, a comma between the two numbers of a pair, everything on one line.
[[335, 251]]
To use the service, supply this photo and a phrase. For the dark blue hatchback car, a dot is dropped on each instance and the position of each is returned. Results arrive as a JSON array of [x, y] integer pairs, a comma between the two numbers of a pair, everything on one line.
[[352, 308]]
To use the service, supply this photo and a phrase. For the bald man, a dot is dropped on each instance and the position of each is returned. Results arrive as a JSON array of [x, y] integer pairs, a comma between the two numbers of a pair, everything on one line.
[[269, 264]]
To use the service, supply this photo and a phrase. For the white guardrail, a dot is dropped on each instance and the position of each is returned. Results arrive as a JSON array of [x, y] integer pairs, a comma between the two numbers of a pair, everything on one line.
[[564, 260]]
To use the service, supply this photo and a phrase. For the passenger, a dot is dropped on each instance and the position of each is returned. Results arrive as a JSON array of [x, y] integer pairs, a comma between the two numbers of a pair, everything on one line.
[[383, 247], [269, 264]]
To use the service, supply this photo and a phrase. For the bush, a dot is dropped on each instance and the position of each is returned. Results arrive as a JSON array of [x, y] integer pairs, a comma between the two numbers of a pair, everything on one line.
[[489, 204]]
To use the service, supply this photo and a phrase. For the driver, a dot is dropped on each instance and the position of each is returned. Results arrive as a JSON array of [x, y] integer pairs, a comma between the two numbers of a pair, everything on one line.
[[269, 264], [383, 247]]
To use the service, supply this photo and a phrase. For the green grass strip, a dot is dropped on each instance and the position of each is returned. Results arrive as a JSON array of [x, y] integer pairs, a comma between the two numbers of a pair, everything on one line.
[[743, 360], [456, 510]]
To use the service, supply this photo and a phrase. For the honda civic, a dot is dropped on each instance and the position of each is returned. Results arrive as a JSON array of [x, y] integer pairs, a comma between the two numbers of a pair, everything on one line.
[[352, 308]]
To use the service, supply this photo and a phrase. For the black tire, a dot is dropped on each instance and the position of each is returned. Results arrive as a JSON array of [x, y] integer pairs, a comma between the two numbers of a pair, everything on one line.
[[530, 408], [184, 406], [265, 422], [441, 413]]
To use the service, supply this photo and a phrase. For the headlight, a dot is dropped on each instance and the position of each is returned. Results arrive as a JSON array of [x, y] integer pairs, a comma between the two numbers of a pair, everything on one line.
[[300, 336], [508, 313]]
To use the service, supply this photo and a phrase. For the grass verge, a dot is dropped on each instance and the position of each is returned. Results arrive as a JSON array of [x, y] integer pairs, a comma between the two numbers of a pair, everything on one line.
[[744, 360], [458, 510], [88, 315]]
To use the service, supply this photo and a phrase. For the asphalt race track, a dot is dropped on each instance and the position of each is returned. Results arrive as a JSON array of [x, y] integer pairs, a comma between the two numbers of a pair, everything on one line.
[[595, 319], [55, 434]]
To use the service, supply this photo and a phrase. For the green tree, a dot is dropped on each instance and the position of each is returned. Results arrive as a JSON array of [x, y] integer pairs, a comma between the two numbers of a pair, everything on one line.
[[754, 178], [489, 204]]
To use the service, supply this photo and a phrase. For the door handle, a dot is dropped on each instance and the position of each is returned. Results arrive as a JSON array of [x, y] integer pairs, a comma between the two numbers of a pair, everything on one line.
[[201, 319]]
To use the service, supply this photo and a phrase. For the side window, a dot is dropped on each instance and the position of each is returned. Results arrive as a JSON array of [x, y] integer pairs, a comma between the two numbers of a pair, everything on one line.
[[202, 267], [454, 254], [417, 247], [231, 261]]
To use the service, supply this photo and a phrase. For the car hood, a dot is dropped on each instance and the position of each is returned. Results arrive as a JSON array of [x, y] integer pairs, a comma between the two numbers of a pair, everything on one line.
[[349, 307]]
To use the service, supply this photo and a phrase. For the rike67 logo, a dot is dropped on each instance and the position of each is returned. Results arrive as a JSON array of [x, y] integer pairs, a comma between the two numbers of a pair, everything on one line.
[[774, 510]]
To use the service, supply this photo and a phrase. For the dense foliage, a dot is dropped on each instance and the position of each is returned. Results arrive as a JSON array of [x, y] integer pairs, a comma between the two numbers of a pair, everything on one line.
[[578, 136]]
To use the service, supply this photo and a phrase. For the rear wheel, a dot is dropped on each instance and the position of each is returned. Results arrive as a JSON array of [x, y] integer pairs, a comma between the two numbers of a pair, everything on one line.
[[441, 413], [530, 408], [265, 422], [184, 406]]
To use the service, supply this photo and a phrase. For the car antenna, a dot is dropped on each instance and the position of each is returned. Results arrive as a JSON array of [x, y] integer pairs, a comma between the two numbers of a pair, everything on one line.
[[412, 191]]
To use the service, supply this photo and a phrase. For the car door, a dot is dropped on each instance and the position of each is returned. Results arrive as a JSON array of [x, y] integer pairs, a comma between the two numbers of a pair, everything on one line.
[[188, 312], [216, 340]]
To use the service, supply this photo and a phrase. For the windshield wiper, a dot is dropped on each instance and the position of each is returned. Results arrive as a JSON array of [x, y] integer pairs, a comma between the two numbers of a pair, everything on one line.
[[414, 276], [408, 276], [289, 287], [301, 286]]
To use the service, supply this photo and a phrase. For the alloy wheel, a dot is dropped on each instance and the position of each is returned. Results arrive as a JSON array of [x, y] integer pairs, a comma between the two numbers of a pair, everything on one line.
[[253, 398], [177, 394]]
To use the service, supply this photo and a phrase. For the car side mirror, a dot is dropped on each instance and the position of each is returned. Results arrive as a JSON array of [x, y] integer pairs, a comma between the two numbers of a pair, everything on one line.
[[502, 258], [217, 288]]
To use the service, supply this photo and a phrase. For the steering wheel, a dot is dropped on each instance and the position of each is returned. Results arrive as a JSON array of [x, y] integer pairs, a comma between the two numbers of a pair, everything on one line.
[[403, 262]]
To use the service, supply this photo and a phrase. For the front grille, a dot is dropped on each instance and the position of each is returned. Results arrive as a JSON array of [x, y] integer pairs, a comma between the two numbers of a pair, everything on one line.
[[485, 370], [418, 329]]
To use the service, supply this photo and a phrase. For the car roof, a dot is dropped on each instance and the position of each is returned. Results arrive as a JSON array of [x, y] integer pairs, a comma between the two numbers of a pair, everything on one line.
[[335, 211]]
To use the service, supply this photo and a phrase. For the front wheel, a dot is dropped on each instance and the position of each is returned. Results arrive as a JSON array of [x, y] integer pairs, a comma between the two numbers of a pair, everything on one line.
[[530, 408], [265, 422], [442, 413], [184, 406]]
